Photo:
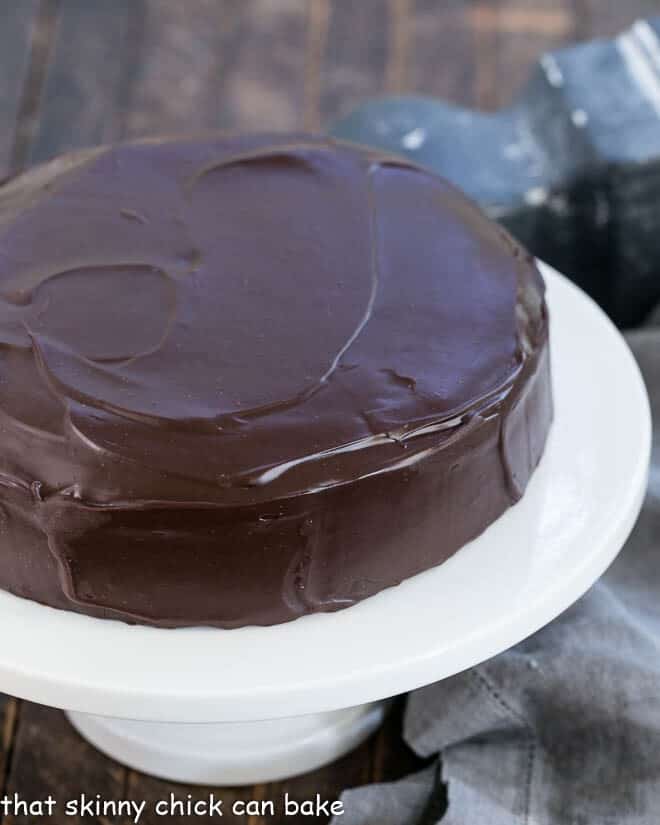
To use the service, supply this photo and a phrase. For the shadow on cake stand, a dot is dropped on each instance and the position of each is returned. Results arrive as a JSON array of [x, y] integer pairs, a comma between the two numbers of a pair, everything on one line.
[[233, 707]]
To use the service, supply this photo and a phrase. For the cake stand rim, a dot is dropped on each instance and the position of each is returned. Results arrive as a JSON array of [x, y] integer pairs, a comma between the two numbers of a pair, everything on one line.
[[136, 689]]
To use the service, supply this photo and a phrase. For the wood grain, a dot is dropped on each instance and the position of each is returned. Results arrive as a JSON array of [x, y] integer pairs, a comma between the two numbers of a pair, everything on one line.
[[9, 714], [188, 50], [353, 67], [263, 81], [396, 72], [317, 38], [510, 37], [49, 758], [443, 51], [17, 34], [92, 63]]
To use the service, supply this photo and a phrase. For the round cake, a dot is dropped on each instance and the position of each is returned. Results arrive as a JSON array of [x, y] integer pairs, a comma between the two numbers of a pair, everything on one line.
[[248, 378]]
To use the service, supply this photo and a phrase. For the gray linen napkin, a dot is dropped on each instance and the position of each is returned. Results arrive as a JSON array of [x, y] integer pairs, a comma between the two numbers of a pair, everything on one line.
[[563, 729]]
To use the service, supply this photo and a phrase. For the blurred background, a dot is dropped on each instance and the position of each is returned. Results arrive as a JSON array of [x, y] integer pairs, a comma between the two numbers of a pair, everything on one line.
[[80, 72]]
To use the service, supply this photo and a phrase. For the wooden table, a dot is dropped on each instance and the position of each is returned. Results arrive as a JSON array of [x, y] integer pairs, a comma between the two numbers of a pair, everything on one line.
[[81, 72]]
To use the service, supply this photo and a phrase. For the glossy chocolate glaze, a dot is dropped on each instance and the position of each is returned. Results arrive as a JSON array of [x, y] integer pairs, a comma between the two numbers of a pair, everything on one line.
[[248, 378]]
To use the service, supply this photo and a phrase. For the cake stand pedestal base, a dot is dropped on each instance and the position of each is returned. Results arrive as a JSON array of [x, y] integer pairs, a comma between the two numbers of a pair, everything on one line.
[[231, 753]]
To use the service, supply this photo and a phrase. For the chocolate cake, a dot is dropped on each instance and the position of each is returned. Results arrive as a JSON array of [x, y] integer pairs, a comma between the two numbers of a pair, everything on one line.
[[244, 379]]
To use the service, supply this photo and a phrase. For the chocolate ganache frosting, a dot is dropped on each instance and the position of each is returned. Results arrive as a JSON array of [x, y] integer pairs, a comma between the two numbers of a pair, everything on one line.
[[244, 379]]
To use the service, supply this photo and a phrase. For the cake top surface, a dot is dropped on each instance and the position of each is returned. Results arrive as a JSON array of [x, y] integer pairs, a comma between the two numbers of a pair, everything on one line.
[[252, 312]]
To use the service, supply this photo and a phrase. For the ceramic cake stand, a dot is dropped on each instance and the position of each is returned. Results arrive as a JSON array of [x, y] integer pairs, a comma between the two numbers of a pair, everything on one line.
[[125, 687]]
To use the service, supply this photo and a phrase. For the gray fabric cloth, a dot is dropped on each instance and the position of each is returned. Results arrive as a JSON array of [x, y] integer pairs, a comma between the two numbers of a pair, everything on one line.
[[563, 729]]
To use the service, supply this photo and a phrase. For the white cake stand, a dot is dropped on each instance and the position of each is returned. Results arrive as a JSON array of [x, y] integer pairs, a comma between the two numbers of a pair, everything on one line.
[[530, 565]]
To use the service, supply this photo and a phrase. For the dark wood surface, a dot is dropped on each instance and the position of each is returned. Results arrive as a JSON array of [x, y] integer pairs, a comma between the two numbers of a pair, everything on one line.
[[79, 72]]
